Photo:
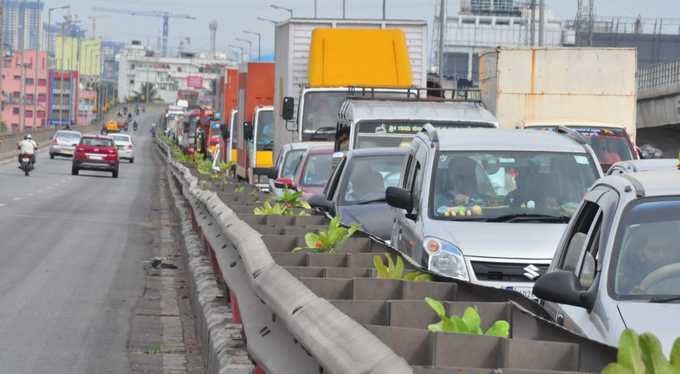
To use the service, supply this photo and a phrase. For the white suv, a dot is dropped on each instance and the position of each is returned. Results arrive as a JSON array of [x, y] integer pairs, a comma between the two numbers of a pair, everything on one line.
[[489, 205]]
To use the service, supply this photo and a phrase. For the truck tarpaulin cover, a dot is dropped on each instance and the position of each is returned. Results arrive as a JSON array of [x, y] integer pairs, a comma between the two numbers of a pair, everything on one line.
[[194, 81], [359, 58]]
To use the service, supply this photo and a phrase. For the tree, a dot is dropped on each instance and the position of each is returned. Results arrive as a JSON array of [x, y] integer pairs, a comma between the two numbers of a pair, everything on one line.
[[147, 88], [3, 127]]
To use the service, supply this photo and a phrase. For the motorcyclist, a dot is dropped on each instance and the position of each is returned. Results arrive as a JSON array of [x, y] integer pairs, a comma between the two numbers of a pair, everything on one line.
[[27, 147], [134, 125]]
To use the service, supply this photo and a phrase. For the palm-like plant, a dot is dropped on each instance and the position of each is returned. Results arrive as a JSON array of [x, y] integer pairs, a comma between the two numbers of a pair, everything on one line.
[[147, 89]]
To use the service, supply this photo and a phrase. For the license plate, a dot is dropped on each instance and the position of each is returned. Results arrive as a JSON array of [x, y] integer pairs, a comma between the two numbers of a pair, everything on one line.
[[26, 159], [95, 157]]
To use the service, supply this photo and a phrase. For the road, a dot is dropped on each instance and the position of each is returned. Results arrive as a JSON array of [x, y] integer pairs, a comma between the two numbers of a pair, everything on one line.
[[71, 255]]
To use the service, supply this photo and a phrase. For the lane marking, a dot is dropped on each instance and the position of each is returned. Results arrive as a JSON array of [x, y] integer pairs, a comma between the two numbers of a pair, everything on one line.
[[2, 204], [16, 199]]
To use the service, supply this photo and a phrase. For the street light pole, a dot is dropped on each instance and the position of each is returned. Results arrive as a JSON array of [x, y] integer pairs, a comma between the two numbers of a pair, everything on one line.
[[344, 9], [49, 28], [250, 46], [259, 43], [289, 10], [384, 10], [241, 50], [267, 20]]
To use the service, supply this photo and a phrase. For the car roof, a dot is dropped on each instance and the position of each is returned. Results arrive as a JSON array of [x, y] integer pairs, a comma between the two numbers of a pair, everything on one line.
[[648, 183], [97, 136], [363, 109], [67, 132], [306, 145], [505, 139], [571, 123], [321, 150], [632, 166], [367, 152]]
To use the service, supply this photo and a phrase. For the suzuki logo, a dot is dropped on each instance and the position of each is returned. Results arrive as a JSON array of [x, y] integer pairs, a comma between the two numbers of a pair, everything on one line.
[[532, 272]]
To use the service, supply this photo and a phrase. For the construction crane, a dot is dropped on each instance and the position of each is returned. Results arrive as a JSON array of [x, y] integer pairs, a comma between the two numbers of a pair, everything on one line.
[[213, 37], [152, 13]]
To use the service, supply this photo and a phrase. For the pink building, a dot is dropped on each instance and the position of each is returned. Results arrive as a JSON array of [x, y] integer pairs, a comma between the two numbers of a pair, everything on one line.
[[87, 100], [33, 87]]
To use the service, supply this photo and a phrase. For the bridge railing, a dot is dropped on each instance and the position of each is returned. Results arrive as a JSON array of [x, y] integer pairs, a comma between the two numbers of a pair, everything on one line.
[[659, 75]]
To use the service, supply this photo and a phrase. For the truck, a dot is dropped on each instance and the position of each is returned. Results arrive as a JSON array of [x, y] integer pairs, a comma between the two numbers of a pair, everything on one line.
[[230, 110], [354, 63], [256, 134], [591, 90]]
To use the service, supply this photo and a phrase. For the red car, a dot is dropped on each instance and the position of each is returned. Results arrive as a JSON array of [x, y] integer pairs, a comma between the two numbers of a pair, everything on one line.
[[95, 152], [314, 171]]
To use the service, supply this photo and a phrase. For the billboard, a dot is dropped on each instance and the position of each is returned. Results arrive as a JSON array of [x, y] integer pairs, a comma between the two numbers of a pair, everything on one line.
[[74, 54], [195, 81]]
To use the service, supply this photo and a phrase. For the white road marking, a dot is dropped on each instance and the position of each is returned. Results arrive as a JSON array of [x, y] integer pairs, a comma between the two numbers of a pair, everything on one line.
[[1, 205], [16, 199]]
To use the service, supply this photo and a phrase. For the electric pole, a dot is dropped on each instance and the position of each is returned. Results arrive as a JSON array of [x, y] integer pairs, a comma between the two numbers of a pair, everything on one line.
[[541, 23], [442, 37], [532, 24]]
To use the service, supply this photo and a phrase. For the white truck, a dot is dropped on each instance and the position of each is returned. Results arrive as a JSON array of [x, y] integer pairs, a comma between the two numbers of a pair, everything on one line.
[[591, 90], [292, 45]]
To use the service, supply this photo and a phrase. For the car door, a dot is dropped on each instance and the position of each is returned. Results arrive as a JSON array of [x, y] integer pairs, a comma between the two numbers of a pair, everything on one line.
[[582, 254], [411, 227]]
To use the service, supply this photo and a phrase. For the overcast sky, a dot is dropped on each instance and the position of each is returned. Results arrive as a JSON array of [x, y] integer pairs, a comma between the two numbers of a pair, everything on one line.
[[234, 16]]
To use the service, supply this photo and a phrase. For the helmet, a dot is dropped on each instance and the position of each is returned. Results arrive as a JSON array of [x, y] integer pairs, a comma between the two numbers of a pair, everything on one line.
[[28, 136]]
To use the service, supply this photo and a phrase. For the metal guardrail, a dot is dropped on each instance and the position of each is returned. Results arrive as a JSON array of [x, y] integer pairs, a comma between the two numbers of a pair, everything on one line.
[[329, 313], [659, 75]]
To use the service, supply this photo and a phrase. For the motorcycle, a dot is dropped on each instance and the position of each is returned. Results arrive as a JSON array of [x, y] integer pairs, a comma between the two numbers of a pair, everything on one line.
[[134, 126], [26, 164]]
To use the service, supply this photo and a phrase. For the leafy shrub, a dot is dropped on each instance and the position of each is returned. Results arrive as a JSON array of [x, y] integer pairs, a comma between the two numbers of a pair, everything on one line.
[[284, 205], [392, 271], [643, 355], [292, 200], [330, 240], [269, 209], [468, 323]]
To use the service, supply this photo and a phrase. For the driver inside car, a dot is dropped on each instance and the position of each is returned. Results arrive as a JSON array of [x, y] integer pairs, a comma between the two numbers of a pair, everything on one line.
[[460, 183], [639, 261]]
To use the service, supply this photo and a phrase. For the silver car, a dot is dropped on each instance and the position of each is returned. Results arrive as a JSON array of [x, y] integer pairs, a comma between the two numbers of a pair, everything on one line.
[[618, 264], [125, 146], [633, 166], [489, 205], [63, 143]]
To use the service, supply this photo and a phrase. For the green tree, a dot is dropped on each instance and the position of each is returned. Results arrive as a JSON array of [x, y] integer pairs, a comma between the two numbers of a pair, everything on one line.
[[147, 89]]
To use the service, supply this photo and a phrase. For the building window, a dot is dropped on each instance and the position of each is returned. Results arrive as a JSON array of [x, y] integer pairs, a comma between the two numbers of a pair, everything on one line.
[[42, 82], [16, 94], [42, 98], [29, 81], [15, 110], [132, 81], [17, 77], [179, 69], [41, 114], [28, 114], [29, 97]]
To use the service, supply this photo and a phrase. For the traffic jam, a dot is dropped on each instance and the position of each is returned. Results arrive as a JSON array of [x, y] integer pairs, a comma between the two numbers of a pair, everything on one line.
[[531, 183]]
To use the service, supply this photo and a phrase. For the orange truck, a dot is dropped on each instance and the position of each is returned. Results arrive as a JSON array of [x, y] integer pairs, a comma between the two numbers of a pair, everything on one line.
[[230, 113], [256, 134]]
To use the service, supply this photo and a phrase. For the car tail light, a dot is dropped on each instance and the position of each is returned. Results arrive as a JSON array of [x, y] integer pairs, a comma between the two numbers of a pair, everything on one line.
[[129, 146], [55, 141]]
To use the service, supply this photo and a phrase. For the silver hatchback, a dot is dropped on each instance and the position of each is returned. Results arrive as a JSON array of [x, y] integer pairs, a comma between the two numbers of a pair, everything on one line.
[[63, 143]]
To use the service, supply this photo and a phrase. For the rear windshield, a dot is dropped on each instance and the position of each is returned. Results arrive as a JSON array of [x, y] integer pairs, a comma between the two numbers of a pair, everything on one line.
[[68, 136], [318, 170], [121, 138], [97, 142]]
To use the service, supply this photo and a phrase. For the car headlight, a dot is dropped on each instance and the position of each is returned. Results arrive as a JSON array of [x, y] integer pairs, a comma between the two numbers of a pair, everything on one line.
[[445, 259]]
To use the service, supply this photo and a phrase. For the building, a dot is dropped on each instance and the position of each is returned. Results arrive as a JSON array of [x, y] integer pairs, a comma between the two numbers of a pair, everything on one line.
[[487, 24], [63, 98], [24, 89], [140, 72], [21, 24]]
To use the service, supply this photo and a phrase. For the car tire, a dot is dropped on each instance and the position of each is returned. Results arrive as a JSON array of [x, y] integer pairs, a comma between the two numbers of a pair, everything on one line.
[[132, 160], [115, 173], [74, 170], [51, 156]]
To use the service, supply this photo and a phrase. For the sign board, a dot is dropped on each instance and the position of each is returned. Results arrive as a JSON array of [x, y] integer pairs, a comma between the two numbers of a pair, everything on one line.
[[195, 81], [182, 103]]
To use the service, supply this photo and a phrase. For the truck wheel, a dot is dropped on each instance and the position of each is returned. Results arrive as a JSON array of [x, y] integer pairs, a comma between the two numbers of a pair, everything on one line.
[[115, 173], [132, 160], [51, 156], [74, 170]]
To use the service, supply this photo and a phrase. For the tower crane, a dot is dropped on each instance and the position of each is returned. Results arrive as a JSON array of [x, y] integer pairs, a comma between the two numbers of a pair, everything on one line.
[[151, 13]]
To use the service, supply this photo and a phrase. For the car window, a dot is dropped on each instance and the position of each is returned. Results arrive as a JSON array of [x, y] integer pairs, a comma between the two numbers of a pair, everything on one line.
[[291, 163], [318, 170], [68, 136], [578, 236], [646, 257], [500, 185], [120, 139], [369, 177], [97, 142], [332, 185]]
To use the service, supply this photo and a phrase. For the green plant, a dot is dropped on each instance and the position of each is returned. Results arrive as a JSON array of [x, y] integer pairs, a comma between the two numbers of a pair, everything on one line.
[[292, 200], [269, 209], [468, 323], [392, 271], [330, 240], [643, 355], [240, 189]]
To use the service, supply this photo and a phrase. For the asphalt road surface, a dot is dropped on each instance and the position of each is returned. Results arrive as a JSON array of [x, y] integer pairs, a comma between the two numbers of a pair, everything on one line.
[[71, 253]]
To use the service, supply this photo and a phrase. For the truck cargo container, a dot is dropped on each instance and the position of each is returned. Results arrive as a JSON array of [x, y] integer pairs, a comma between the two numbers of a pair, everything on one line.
[[348, 60], [230, 108], [256, 137], [591, 90]]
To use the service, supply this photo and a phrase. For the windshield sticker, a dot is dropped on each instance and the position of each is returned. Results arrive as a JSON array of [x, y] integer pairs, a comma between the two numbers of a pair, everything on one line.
[[581, 160]]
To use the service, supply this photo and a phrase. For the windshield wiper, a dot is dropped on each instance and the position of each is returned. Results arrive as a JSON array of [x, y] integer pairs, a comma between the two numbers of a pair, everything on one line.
[[664, 299], [518, 217], [366, 202]]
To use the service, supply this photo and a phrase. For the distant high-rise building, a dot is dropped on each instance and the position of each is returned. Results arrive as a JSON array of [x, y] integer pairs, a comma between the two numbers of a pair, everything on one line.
[[21, 24]]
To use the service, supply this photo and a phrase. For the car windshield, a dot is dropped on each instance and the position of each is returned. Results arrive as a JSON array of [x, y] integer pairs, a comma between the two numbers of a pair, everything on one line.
[[610, 144], [509, 186], [291, 163], [68, 136], [234, 130], [265, 129], [120, 138], [382, 134], [646, 256], [97, 142], [369, 177], [318, 170], [321, 110]]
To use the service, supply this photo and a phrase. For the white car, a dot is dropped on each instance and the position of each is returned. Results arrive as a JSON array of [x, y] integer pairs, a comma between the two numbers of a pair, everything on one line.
[[125, 146]]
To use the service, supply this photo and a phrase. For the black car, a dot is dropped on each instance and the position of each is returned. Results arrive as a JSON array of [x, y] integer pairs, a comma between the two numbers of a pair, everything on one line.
[[356, 189]]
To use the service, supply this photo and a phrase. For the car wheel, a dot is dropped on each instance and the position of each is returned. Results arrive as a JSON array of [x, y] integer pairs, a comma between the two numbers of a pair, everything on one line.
[[115, 173], [51, 156], [132, 160], [74, 170]]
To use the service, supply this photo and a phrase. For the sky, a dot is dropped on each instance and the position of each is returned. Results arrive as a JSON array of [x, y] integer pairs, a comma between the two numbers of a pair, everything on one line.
[[234, 16]]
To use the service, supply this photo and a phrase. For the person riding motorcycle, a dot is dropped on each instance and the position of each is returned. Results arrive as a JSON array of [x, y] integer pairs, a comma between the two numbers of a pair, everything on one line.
[[134, 125], [27, 147]]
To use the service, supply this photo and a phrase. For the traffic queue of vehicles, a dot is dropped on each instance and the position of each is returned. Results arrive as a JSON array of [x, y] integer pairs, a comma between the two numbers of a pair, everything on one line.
[[463, 182]]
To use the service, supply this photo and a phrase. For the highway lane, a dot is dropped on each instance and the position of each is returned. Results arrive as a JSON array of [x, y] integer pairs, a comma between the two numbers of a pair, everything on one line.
[[71, 253]]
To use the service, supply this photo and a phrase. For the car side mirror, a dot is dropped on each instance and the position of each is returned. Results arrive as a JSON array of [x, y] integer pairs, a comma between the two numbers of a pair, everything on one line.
[[285, 183], [320, 202], [399, 198], [288, 108], [560, 287], [247, 131]]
